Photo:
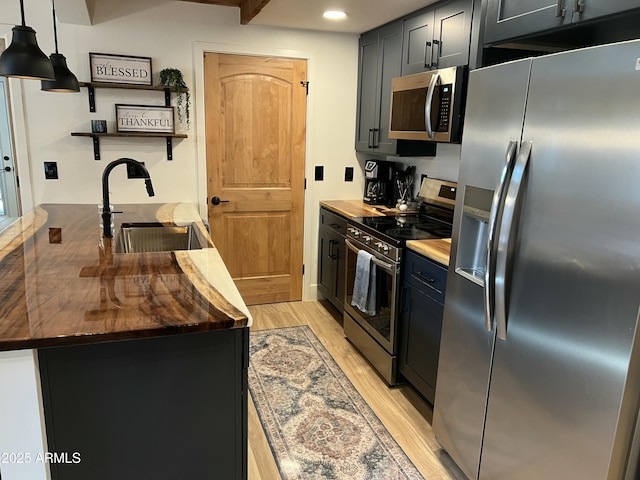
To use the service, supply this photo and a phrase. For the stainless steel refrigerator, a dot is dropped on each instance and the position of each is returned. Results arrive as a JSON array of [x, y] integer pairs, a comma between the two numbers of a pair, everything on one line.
[[539, 369]]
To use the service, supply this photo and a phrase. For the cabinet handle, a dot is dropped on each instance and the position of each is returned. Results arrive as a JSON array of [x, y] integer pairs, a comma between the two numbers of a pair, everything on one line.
[[370, 142], [427, 45], [332, 243], [436, 49], [424, 278], [560, 10], [578, 7], [376, 140], [334, 226]]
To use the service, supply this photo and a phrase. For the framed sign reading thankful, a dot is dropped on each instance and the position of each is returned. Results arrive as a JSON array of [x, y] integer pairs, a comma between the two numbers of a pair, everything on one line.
[[120, 69], [144, 118]]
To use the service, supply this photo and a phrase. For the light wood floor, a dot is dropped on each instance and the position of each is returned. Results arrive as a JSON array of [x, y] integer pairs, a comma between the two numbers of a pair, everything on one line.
[[405, 414]]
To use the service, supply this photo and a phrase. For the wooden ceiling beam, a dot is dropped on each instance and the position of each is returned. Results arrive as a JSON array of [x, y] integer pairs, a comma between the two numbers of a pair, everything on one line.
[[248, 8]]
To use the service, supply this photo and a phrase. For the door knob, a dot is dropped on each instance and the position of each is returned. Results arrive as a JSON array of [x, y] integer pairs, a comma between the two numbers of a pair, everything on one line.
[[217, 201], [7, 169]]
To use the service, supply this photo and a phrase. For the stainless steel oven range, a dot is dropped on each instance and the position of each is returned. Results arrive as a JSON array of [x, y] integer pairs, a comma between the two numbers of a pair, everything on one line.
[[372, 326]]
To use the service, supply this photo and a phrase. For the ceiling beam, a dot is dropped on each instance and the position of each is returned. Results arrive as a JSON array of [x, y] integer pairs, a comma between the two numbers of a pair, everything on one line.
[[248, 8]]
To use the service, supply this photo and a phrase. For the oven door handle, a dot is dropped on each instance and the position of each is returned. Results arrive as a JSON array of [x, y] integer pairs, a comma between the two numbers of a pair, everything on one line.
[[386, 266]]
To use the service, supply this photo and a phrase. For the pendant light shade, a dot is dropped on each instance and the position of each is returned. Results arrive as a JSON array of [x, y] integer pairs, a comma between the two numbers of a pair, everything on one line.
[[65, 81], [23, 58]]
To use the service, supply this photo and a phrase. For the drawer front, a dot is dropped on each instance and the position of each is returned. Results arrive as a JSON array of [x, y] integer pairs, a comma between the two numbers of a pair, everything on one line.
[[426, 275], [333, 221]]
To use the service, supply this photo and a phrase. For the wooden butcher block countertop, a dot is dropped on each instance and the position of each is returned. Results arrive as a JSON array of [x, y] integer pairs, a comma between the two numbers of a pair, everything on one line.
[[62, 284], [354, 208], [437, 250]]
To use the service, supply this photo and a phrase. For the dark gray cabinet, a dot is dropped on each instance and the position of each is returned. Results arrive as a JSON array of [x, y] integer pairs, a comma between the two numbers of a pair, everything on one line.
[[331, 256], [162, 407], [437, 37], [378, 62], [423, 291], [511, 19]]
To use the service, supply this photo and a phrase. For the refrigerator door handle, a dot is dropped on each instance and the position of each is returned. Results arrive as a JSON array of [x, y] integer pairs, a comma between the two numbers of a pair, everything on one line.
[[508, 226], [497, 206], [435, 79]]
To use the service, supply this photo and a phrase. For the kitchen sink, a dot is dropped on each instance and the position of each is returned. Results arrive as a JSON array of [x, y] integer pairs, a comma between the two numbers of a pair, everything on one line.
[[155, 237]]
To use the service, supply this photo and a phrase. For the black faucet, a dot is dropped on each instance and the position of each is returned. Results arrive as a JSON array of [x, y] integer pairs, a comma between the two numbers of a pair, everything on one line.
[[106, 211]]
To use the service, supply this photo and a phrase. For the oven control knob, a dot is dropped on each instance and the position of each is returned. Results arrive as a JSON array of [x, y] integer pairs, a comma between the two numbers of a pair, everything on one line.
[[382, 246]]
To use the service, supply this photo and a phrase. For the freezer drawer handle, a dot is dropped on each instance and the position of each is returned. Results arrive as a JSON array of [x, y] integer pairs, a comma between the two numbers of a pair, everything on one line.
[[497, 206], [508, 226], [435, 80]]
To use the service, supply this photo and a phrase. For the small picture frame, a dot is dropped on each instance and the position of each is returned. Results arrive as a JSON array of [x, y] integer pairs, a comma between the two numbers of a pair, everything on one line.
[[144, 119], [125, 69], [98, 126]]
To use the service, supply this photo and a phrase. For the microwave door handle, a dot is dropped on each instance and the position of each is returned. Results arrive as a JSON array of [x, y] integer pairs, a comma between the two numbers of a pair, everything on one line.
[[435, 78], [497, 206], [509, 225]]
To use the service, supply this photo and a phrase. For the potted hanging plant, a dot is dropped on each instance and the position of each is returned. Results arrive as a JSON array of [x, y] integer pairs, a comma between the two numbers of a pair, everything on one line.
[[172, 77]]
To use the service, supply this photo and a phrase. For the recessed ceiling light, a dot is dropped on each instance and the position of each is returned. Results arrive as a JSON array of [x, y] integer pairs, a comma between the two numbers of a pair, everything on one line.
[[334, 14]]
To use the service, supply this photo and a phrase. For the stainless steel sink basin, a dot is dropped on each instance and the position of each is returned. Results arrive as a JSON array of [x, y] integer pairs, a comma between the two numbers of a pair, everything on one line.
[[155, 237]]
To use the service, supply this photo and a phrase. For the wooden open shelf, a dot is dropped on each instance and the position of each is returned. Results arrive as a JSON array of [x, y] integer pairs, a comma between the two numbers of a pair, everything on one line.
[[91, 86], [96, 139], [127, 86]]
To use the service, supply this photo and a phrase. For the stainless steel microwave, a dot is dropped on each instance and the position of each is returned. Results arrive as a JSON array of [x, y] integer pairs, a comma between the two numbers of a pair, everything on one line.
[[428, 105]]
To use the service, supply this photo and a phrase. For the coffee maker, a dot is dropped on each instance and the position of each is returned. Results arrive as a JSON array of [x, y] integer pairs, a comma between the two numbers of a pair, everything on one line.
[[378, 182]]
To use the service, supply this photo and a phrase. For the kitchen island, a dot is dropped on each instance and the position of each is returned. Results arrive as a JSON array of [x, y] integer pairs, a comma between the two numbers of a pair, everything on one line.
[[118, 365]]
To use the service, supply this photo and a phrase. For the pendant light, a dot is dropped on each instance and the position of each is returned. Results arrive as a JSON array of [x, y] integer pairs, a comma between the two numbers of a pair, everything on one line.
[[65, 80], [23, 58]]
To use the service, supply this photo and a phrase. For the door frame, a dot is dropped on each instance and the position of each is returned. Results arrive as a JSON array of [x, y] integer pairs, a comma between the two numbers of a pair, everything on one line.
[[199, 49], [19, 133]]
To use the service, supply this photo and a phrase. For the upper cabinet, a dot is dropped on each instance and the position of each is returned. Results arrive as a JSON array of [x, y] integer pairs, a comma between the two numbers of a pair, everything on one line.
[[434, 37], [378, 63], [437, 37], [511, 19]]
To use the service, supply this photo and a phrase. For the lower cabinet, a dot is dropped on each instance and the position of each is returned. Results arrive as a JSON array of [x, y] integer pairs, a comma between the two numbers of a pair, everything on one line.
[[423, 294], [331, 255], [162, 408]]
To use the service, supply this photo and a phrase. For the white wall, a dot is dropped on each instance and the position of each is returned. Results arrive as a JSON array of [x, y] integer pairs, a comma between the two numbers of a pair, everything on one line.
[[175, 34]]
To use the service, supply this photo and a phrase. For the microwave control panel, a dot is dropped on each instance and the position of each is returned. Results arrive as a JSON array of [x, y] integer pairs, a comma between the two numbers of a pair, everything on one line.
[[444, 110]]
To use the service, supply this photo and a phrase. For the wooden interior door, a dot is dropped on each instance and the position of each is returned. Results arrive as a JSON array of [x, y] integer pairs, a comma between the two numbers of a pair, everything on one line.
[[255, 110]]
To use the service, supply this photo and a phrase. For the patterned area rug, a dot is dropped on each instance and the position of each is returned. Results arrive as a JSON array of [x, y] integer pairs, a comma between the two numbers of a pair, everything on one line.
[[318, 425]]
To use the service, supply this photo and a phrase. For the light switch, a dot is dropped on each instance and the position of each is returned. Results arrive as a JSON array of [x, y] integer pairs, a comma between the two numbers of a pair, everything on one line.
[[51, 170]]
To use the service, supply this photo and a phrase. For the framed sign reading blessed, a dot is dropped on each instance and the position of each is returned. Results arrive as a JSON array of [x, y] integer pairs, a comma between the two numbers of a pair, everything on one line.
[[120, 69], [144, 118]]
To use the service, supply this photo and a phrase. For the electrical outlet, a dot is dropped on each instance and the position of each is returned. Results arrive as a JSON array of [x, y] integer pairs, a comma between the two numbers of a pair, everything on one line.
[[132, 172], [51, 170], [348, 174], [319, 173]]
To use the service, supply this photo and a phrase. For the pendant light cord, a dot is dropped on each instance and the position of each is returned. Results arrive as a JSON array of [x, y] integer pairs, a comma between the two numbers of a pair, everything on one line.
[[55, 30], [24, 24]]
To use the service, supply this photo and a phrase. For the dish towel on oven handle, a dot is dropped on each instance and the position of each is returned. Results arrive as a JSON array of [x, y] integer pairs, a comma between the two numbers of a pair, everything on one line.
[[364, 285]]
